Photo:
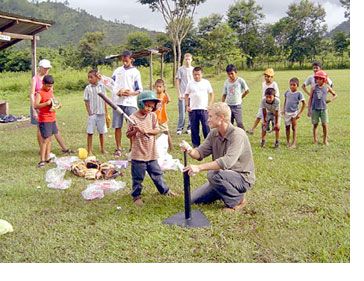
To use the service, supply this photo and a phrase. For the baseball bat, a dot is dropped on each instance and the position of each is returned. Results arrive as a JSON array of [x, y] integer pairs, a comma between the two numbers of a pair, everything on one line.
[[119, 110], [115, 107]]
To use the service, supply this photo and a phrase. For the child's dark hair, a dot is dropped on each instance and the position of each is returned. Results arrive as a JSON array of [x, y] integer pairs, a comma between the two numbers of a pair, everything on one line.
[[231, 68], [198, 68], [270, 92], [48, 79], [316, 63], [294, 80], [160, 81], [93, 72]]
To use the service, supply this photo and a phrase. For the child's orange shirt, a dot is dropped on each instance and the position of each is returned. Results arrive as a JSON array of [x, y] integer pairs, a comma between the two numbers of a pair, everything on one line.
[[162, 108]]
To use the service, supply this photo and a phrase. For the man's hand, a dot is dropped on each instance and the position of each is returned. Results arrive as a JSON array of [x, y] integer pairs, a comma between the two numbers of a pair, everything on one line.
[[49, 102], [185, 146], [298, 116], [192, 170]]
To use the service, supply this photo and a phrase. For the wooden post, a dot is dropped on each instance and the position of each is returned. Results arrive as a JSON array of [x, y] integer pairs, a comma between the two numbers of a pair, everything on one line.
[[151, 70], [162, 65], [34, 55]]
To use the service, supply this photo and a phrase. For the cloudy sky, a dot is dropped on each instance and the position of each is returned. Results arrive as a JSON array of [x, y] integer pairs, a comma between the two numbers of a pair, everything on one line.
[[131, 11]]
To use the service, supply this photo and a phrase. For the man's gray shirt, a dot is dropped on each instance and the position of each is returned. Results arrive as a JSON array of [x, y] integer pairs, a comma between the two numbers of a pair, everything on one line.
[[232, 152]]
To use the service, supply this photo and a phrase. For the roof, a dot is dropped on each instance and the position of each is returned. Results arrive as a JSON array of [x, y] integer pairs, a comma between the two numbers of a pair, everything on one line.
[[14, 28], [143, 53]]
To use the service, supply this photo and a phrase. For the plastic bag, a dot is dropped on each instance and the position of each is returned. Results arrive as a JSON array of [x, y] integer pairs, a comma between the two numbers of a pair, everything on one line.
[[65, 163], [55, 179], [119, 164], [165, 160], [98, 189], [5, 227]]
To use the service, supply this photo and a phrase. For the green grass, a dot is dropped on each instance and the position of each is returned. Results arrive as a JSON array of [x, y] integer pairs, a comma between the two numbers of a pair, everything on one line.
[[298, 210]]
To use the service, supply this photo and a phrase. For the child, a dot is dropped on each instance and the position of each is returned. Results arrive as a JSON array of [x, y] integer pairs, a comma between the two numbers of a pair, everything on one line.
[[143, 149], [96, 108], [290, 110], [46, 118], [267, 83], [183, 76], [197, 99], [235, 89], [316, 66], [270, 110], [162, 110], [43, 69], [317, 107]]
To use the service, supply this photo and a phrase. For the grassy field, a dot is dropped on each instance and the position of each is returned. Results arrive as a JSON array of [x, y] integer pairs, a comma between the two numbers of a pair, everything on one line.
[[298, 211]]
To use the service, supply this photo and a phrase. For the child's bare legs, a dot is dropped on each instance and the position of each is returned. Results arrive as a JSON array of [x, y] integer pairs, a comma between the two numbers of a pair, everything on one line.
[[294, 130], [45, 149], [325, 129], [89, 144], [39, 138], [264, 133], [315, 133], [48, 148], [277, 135], [60, 141], [118, 142], [170, 145], [288, 135], [256, 123], [102, 147]]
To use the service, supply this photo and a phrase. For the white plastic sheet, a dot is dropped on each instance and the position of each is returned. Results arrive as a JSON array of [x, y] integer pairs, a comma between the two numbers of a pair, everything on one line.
[[98, 189], [165, 160], [55, 179]]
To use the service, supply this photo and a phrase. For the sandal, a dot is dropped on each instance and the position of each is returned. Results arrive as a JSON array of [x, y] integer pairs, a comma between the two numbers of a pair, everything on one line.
[[67, 151], [41, 164], [117, 152]]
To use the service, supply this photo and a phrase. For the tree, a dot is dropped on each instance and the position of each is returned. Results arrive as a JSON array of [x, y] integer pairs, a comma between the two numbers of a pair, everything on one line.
[[301, 31], [178, 16], [341, 43], [245, 18], [217, 40], [346, 5], [91, 49], [139, 41]]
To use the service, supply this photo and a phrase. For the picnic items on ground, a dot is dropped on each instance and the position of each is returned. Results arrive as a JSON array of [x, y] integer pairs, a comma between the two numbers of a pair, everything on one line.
[[82, 153], [92, 169]]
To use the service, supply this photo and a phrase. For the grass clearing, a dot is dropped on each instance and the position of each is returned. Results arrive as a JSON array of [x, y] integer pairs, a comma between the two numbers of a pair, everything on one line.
[[298, 211]]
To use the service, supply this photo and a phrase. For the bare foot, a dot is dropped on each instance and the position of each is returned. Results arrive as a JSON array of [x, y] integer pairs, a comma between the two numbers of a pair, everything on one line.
[[293, 146], [138, 202], [104, 151], [326, 143]]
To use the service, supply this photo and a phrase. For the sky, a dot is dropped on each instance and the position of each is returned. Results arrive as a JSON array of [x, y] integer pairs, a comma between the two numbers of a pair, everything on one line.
[[132, 12]]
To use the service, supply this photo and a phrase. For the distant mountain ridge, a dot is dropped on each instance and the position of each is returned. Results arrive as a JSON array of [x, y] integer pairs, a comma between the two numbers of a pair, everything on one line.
[[70, 24], [344, 26]]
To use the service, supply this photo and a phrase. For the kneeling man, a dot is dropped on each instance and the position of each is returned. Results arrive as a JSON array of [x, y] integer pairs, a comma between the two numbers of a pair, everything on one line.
[[231, 172]]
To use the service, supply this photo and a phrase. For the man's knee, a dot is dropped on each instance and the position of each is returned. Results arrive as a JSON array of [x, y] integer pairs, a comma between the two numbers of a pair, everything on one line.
[[214, 177]]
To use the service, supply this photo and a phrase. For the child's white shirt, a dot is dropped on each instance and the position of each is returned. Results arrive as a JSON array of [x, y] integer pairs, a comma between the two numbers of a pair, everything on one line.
[[199, 94]]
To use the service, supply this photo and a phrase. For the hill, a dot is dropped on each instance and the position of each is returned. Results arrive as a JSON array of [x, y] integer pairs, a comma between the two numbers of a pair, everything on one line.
[[344, 26], [70, 24]]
